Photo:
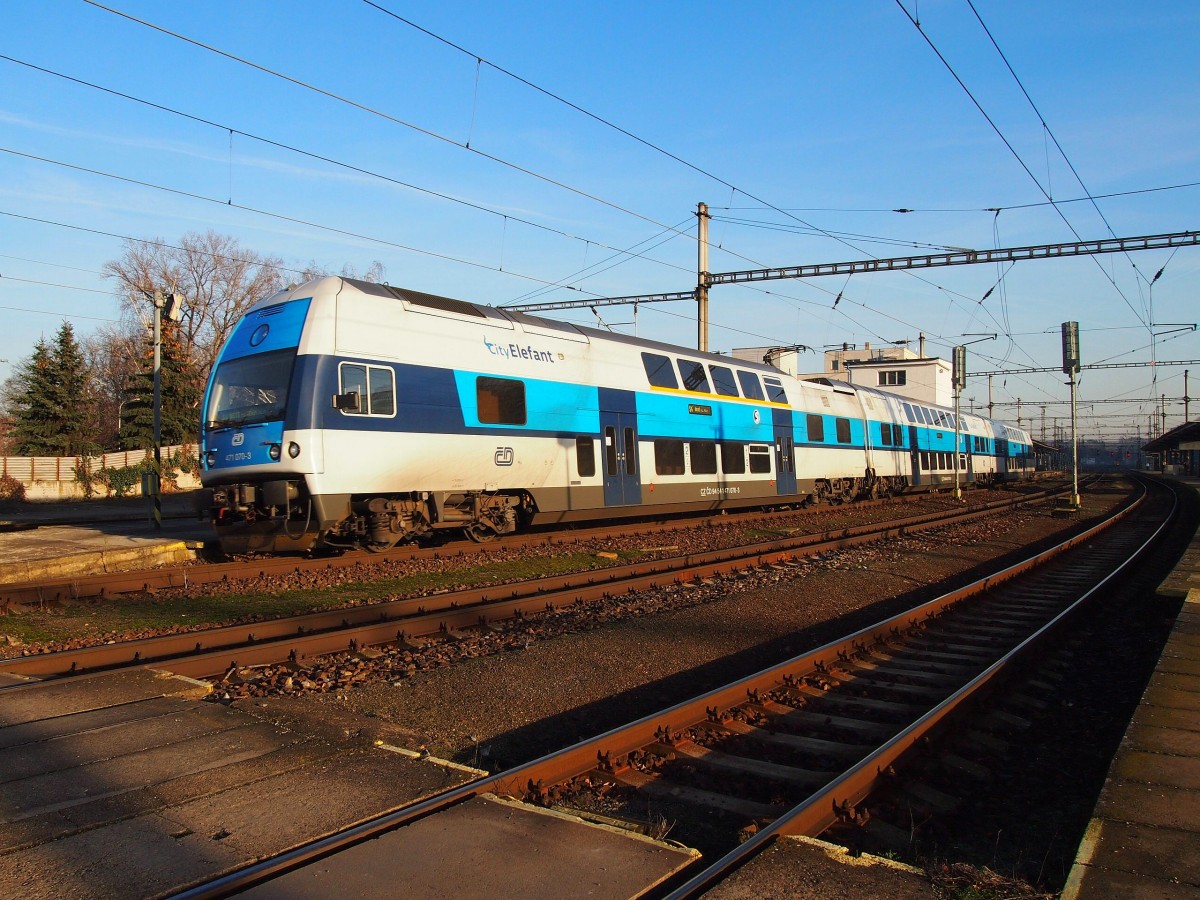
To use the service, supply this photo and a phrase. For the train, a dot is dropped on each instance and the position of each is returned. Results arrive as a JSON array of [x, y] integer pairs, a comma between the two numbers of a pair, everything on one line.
[[346, 414]]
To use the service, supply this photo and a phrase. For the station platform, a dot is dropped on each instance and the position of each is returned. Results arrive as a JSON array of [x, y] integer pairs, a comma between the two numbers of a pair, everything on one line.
[[39, 541], [1144, 837]]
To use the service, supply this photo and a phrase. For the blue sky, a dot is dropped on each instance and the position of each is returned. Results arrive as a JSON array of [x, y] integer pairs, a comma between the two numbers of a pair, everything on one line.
[[836, 113]]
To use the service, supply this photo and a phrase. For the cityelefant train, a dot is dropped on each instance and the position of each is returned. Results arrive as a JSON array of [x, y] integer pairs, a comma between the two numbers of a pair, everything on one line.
[[347, 414]]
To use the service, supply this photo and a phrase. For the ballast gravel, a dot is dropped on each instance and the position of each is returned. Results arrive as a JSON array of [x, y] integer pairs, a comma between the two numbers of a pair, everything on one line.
[[499, 698]]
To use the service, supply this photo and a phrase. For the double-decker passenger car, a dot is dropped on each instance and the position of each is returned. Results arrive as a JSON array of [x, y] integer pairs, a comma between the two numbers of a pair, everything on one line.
[[342, 413]]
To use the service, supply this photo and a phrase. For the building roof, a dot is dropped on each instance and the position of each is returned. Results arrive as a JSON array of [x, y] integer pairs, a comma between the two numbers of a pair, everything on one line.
[[1185, 433]]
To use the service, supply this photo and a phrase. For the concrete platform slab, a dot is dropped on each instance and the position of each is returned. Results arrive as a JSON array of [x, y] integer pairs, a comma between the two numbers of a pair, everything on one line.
[[1157, 769], [37, 701], [809, 869], [89, 745], [453, 854], [90, 720], [49, 540], [57, 790], [141, 793], [1144, 837], [1182, 742]]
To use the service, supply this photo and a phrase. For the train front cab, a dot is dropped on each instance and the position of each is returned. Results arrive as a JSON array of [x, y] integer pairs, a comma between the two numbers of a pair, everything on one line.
[[252, 468]]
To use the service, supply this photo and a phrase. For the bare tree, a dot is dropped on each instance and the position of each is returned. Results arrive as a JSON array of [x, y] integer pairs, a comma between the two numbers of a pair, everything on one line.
[[114, 355], [218, 278], [374, 272]]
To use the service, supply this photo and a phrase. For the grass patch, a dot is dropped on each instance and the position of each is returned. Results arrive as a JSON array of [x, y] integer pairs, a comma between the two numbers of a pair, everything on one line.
[[117, 616]]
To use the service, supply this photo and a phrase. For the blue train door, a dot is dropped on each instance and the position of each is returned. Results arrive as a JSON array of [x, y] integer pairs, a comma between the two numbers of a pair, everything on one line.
[[785, 452], [618, 438], [916, 455]]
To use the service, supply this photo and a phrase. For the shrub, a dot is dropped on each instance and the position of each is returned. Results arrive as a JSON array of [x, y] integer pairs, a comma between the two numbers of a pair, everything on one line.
[[84, 477], [11, 490]]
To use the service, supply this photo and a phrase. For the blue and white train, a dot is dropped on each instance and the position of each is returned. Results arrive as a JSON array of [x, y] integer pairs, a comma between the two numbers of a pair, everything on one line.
[[348, 414]]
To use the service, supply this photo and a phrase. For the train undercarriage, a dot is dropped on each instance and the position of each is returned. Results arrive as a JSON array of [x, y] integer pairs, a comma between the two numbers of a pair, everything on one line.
[[280, 516]]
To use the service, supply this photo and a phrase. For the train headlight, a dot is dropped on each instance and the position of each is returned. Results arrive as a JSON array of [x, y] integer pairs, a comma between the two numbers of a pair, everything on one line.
[[293, 449], [210, 459], [275, 451]]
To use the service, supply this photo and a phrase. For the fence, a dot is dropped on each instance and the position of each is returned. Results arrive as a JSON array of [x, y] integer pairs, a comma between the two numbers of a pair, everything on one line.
[[53, 477]]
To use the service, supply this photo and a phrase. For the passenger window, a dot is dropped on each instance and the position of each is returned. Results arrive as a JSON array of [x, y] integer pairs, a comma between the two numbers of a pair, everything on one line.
[[704, 457], [722, 379], [585, 456], [383, 390], [354, 380], [668, 456], [733, 459], [843, 430], [659, 370], [775, 392], [751, 387], [374, 385], [816, 428], [693, 376], [908, 411], [500, 401], [760, 459]]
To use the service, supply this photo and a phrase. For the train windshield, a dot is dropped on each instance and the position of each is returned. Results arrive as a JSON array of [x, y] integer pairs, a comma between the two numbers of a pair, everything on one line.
[[250, 389]]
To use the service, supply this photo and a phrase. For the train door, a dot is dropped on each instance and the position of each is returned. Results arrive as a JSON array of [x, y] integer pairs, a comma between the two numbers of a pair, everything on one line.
[[618, 437], [1002, 460], [915, 454], [785, 452]]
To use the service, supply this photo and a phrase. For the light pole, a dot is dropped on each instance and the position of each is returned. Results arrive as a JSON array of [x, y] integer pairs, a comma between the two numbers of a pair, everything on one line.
[[1070, 365], [172, 305]]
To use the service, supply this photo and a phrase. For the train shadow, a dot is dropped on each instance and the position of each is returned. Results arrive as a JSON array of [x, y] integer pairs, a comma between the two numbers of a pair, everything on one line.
[[535, 739]]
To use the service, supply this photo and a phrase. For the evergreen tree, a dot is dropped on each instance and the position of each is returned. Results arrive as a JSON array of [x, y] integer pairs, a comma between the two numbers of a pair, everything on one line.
[[51, 409], [32, 408], [73, 394], [180, 390]]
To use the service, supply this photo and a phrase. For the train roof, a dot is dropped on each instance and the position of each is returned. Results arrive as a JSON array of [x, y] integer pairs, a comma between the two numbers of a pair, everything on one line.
[[537, 323]]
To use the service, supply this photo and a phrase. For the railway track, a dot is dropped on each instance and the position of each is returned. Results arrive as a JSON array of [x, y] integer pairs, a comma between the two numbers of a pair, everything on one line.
[[296, 639], [799, 746], [40, 593]]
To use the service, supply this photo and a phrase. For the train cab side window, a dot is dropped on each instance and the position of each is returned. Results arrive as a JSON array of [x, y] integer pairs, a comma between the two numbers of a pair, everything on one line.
[[704, 457], [668, 456], [885, 434], [585, 456], [500, 401], [693, 376], [775, 392], [374, 385], [751, 387], [659, 371], [898, 435], [722, 379], [816, 428], [733, 459], [843, 430], [760, 459]]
